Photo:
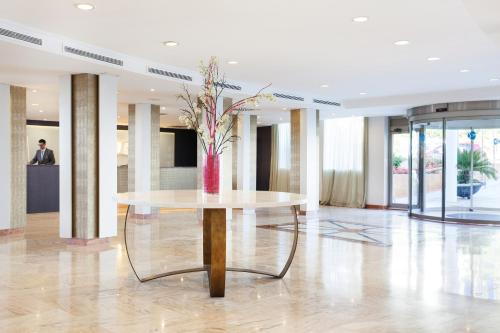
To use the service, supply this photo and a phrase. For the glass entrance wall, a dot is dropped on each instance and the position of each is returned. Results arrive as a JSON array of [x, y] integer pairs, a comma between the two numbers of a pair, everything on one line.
[[399, 163], [427, 147], [455, 162]]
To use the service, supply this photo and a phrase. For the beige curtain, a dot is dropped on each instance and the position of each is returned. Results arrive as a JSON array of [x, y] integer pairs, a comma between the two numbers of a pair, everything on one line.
[[279, 175], [344, 162]]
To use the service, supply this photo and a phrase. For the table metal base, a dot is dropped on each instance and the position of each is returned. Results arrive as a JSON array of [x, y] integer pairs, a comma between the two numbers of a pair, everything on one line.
[[214, 252]]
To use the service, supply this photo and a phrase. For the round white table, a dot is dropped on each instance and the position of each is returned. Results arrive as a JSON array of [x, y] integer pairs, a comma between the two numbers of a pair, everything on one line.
[[214, 225]]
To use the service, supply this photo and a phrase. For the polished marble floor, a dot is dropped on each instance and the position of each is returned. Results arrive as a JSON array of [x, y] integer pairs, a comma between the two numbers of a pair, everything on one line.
[[422, 277]]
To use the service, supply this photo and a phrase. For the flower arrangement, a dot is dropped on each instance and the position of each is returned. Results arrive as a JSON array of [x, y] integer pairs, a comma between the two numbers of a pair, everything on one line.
[[212, 123]]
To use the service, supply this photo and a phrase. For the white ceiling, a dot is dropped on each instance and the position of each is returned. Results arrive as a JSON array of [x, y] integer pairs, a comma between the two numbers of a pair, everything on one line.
[[296, 45]]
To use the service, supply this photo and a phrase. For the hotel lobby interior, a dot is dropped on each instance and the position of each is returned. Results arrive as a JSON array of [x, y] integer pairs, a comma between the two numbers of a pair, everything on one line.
[[231, 166]]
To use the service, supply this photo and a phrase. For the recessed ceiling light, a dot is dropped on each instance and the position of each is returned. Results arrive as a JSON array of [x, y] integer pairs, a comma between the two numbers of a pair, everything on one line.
[[232, 62], [402, 43], [163, 108], [363, 93], [360, 19], [281, 119], [433, 59], [35, 104], [41, 111], [119, 117], [494, 79], [84, 6], [324, 86], [170, 43], [284, 109], [464, 70], [34, 91], [152, 90]]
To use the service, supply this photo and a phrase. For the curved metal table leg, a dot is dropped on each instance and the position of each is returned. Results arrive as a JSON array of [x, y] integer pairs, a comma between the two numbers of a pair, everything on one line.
[[231, 269], [155, 276], [290, 256]]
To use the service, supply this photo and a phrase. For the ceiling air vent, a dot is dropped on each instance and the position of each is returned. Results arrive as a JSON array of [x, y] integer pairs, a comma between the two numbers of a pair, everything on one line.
[[19, 36], [321, 101], [169, 74], [94, 56], [228, 86], [295, 98]]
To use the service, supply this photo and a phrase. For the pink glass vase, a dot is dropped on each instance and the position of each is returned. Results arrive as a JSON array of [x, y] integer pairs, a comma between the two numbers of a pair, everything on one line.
[[211, 173]]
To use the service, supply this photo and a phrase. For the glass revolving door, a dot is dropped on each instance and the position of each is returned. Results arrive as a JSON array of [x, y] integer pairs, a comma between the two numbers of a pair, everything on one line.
[[455, 162], [473, 172]]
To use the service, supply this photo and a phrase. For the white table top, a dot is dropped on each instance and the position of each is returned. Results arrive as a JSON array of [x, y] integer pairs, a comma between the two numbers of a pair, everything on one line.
[[199, 199]]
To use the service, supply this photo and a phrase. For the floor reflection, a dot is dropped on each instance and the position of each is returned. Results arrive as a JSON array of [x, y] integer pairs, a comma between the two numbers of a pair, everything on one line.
[[354, 271]]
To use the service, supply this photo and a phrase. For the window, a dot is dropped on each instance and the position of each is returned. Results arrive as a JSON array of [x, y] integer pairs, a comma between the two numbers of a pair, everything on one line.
[[343, 144]]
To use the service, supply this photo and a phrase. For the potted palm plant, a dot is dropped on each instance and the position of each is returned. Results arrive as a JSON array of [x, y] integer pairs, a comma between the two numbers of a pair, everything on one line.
[[480, 164]]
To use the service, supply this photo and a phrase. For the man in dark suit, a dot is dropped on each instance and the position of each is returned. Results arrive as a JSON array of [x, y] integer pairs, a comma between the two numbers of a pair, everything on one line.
[[43, 155]]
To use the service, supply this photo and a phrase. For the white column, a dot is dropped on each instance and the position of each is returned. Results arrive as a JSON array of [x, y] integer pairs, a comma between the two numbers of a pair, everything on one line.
[[451, 165], [226, 162], [378, 160], [108, 163], [309, 176], [142, 152], [5, 166], [247, 154], [243, 162], [65, 173]]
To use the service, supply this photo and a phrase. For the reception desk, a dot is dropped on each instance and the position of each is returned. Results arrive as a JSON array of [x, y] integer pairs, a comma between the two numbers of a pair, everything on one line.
[[43, 188]]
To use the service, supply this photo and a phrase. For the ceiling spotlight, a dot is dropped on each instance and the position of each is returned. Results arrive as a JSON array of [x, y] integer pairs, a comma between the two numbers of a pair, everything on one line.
[[170, 43], [464, 70], [284, 109], [152, 90], [232, 62], [35, 104], [34, 91], [324, 86], [281, 119], [433, 59], [363, 93], [84, 6], [360, 19], [402, 43], [163, 108], [494, 79], [41, 111]]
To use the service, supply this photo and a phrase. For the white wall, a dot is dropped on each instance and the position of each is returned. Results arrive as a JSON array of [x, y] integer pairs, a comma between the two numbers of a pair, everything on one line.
[[378, 159], [49, 133]]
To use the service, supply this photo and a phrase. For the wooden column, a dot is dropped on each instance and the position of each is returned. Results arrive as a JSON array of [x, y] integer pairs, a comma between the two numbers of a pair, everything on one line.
[[14, 159]]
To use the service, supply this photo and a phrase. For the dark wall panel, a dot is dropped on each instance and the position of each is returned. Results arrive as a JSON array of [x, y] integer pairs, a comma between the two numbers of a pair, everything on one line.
[[263, 157], [185, 147]]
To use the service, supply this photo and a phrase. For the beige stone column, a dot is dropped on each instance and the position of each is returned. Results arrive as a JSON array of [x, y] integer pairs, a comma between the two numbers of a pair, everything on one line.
[[304, 172], [14, 159], [144, 150], [88, 167]]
